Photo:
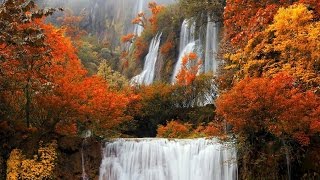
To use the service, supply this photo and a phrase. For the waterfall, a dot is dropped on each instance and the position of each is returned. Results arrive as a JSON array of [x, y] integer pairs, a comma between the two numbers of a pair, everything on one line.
[[187, 44], [187, 34], [146, 77], [84, 175], [139, 8], [188, 49], [212, 41], [287, 152], [163, 159]]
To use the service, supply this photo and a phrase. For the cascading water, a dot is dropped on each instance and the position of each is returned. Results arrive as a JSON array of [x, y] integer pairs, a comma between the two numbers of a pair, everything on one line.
[[163, 159], [84, 174], [187, 44], [139, 9], [212, 40], [187, 34], [146, 77], [188, 49]]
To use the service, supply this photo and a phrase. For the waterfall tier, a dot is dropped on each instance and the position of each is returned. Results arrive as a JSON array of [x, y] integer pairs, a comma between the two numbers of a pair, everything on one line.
[[139, 9], [146, 77], [163, 159], [212, 41], [187, 44], [191, 47]]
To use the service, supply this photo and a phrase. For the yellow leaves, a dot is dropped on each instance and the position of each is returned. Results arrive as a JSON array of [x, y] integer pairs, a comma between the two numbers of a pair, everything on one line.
[[291, 18], [38, 168], [291, 44]]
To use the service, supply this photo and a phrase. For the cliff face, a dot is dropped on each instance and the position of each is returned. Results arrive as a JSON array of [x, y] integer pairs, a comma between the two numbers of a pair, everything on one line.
[[70, 163], [70, 149]]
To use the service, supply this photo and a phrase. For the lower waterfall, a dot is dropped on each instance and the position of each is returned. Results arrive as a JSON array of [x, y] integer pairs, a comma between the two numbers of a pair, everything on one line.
[[164, 159]]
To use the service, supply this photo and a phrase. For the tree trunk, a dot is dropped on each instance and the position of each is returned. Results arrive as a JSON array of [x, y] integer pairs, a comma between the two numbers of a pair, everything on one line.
[[28, 103]]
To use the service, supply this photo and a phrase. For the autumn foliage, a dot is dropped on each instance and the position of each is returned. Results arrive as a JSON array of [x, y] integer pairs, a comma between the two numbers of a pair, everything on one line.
[[71, 24], [289, 44], [41, 166], [271, 105], [190, 67], [244, 19], [166, 47], [174, 129], [155, 10], [128, 38], [50, 86]]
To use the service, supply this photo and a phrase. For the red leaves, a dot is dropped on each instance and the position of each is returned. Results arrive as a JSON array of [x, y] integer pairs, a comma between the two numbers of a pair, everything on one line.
[[244, 19], [128, 38], [155, 10], [166, 47], [174, 129], [189, 70], [271, 104]]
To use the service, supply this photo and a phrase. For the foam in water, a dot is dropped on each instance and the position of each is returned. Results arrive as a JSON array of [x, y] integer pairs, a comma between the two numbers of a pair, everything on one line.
[[146, 77], [163, 159]]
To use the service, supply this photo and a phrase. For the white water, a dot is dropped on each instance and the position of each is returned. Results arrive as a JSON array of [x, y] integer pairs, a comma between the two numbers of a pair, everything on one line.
[[187, 34], [139, 9], [84, 175], [188, 49], [212, 41], [187, 45], [146, 77], [163, 159]]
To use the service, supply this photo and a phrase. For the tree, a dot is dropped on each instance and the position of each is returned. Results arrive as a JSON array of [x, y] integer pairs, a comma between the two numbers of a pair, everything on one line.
[[274, 120], [189, 70], [115, 79], [289, 44], [243, 23], [196, 9], [23, 51], [174, 129], [72, 97], [140, 19], [257, 106], [71, 24]]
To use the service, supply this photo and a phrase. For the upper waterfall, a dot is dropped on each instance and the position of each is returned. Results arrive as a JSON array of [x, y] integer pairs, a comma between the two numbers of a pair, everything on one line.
[[187, 44], [212, 41], [163, 159], [146, 77], [139, 9]]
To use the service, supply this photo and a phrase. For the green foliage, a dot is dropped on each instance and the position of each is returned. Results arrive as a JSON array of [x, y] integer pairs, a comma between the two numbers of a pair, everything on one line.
[[115, 79], [196, 8], [162, 102], [91, 53]]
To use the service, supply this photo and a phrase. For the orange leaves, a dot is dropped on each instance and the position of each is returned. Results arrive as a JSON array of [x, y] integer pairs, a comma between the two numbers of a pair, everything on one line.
[[140, 19], [274, 105], [243, 23], [289, 44], [166, 47], [155, 10], [189, 70], [174, 129], [128, 38], [141, 48], [71, 24]]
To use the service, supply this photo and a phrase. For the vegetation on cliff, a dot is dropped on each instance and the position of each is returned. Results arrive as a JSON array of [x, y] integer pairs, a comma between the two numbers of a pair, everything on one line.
[[59, 78]]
